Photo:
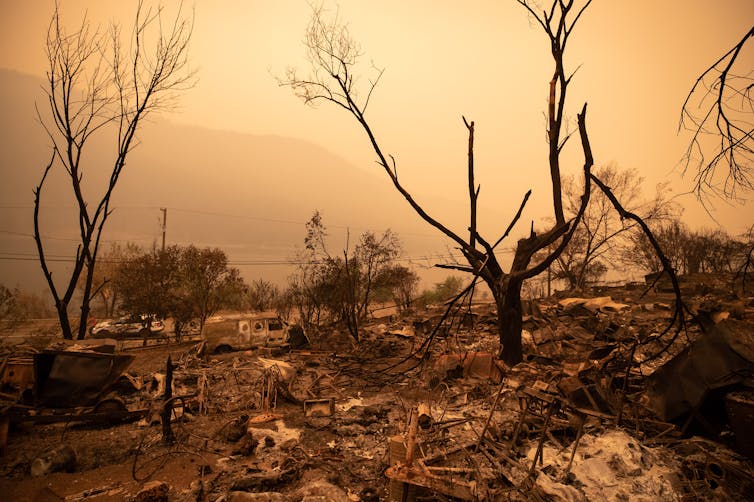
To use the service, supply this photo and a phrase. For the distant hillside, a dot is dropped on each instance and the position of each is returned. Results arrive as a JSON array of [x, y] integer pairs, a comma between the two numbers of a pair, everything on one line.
[[247, 194]]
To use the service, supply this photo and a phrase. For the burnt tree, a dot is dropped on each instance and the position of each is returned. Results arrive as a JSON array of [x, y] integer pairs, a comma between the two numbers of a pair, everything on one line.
[[333, 53], [97, 86]]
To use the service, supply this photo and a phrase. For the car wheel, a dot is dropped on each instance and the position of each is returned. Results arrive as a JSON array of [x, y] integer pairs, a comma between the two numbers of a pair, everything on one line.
[[222, 349], [110, 405], [110, 408]]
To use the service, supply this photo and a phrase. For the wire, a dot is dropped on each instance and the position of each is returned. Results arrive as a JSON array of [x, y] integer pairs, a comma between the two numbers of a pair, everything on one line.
[[14, 256], [68, 239], [11, 256], [208, 213]]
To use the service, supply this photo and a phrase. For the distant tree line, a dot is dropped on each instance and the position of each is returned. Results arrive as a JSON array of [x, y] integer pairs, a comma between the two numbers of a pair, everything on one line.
[[711, 251], [603, 241], [185, 283], [693, 251], [189, 284]]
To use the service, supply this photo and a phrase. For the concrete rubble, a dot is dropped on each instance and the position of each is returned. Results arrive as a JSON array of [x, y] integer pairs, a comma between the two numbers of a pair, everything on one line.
[[586, 416]]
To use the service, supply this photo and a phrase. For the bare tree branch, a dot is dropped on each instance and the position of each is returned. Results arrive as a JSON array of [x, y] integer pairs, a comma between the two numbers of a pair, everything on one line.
[[91, 90], [678, 318], [717, 111]]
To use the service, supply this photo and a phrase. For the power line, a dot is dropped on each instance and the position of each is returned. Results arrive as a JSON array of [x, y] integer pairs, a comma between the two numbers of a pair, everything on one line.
[[288, 222], [223, 215], [69, 239], [22, 234], [11, 256], [190, 211], [8, 256]]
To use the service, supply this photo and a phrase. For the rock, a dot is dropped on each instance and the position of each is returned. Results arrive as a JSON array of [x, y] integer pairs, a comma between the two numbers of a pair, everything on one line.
[[62, 458], [153, 491], [246, 446]]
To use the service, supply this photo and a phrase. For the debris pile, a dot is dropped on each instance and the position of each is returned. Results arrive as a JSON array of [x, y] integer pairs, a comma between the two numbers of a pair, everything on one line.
[[595, 412]]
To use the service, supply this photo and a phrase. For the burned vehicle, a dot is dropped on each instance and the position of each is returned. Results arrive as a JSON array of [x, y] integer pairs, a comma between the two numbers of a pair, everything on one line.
[[128, 326], [63, 386], [251, 331]]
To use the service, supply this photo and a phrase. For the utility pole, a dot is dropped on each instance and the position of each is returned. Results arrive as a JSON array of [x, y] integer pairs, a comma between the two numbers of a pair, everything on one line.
[[164, 224]]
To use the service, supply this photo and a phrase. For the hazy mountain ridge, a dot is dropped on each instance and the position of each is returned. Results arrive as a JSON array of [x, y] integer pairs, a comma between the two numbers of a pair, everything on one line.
[[245, 193]]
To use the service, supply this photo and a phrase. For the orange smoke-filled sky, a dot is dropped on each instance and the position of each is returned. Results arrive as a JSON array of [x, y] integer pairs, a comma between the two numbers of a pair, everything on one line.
[[443, 59]]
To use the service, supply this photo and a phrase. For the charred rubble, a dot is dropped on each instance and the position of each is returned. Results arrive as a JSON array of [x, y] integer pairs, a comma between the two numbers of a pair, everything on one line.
[[601, 409]]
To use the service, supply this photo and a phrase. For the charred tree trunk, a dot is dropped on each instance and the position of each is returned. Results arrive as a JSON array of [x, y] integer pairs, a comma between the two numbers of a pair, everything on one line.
[[85, 310], [65, 322], [167, 404], [510, 323]]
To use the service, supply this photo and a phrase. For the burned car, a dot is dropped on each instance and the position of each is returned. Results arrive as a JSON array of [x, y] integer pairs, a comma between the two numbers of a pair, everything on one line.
[[128, 326]]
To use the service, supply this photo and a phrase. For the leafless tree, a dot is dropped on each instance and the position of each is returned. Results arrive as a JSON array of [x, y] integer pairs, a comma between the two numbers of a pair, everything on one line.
[[601, 238], [333, 55], [7, 302], [97, 85], [743, 273], [718, 113], [706, 251]]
